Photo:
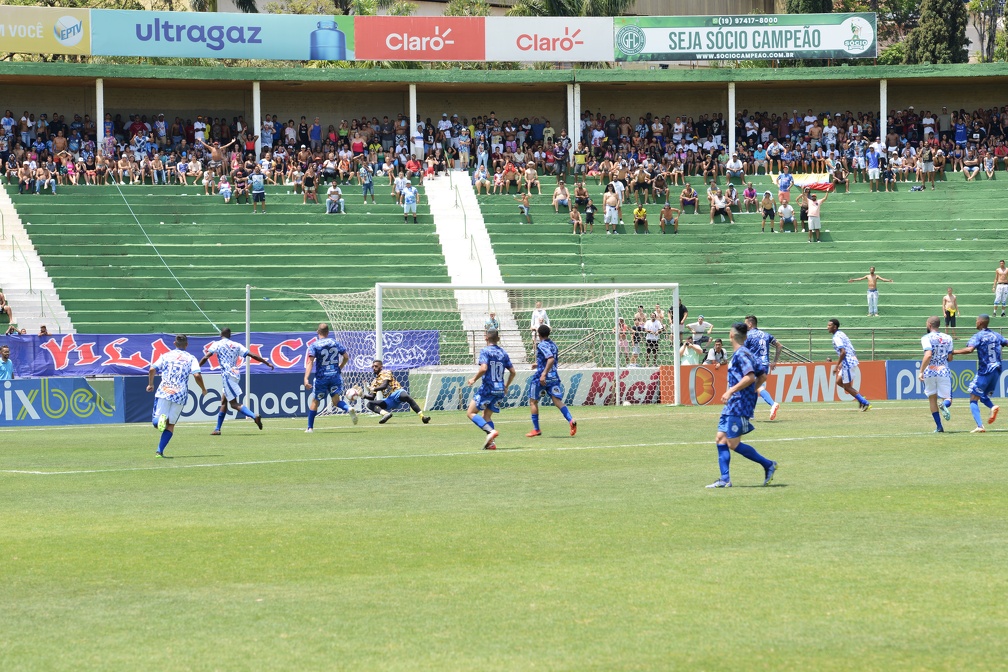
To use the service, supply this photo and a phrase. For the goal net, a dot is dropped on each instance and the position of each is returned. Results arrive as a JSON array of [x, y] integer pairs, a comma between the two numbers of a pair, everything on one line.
[[432, 330]]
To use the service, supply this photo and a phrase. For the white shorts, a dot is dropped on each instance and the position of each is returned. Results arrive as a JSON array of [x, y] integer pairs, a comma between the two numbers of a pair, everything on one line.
[[167, 407], [611, 215], [813, 223], [230, 388], [859, 162], [848, 374], [1001, 294], [873, 173], [940, 385]]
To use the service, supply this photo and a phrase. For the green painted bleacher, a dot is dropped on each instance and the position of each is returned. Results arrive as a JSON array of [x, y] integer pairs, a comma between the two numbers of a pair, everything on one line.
[[111, 279], [926, 241]]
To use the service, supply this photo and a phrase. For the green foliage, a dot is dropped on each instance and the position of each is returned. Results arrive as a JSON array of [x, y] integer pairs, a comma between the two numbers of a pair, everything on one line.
[[570, 7], [896, 18], [1001, 46], [808, 6], [941, 35], [984, 15], [894, 54], [247, 6], [467, 8]]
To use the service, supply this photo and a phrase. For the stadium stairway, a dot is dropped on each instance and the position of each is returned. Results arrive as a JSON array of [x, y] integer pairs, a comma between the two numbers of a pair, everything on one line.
[[470, 258], [924, 241], [93, 243], [24, 280]]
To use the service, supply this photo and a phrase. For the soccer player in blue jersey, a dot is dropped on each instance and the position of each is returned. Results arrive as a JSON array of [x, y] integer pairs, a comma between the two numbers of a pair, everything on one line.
[[847, 363], [934, 371], [175, 368], [739, 403], [987, 344], [758, 343], [547, 380], [228, 352], [393, 395], [329, 357], [493, 363]]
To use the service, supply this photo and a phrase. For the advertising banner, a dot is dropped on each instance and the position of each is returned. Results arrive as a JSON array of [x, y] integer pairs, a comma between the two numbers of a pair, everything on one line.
[[548, 38], [420, 38], [745, 37], [582, 387], [132, 354], [277, 396], [222, 35], [788, 383], [902, 379], [45, 30], [58, 401]]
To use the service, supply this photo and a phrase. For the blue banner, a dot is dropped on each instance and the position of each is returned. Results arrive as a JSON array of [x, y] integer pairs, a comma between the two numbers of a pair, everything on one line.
[[277, 396], [902, 382], [132, 354], [59, 401], [222, 35]]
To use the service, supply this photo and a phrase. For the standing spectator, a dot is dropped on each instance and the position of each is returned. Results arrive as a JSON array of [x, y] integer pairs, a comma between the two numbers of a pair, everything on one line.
[[689, 352], [492, 322], [6, 364], [539, 317], [814, 223], [950, 308], [589, 219], [701, 330], [767, 206], [652, 328], [258, 182], [717, 355], [873, 281]]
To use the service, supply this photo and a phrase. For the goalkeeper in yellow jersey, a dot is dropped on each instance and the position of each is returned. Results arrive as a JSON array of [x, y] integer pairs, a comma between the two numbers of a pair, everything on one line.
[[393, 393]]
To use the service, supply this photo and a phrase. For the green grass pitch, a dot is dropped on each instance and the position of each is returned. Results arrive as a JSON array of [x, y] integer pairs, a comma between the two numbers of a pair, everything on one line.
[[405, 547]]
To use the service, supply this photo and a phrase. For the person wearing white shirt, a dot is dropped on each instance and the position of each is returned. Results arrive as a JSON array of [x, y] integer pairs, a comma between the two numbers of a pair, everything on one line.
[[717, 355], [652, 335], [734, 167], [539, 317], [786, 215], [701, 330]]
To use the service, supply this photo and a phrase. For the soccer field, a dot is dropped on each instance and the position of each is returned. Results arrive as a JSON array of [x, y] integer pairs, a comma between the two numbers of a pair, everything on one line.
[[406, 547]]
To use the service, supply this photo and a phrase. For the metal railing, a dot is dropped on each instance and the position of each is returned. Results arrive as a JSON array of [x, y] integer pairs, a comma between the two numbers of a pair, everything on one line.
[[461, 206], [52, 312], [15, 248]]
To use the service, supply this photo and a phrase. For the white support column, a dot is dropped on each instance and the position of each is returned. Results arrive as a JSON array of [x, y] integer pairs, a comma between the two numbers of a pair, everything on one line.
[[100, 110], [731, 118], [414, 118], [883, 108], [570, 111], [257, 117], [576, 131]]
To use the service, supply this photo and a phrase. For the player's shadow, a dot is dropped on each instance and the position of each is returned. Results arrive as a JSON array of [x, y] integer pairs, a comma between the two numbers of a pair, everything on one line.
[[192, 457], [761, 486]]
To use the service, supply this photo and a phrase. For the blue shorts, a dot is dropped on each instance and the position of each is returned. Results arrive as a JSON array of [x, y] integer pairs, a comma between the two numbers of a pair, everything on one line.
[[487, 398], [368, 187], [392, 400], [327, 386], [553, 387], [985, 383], [734, 426]]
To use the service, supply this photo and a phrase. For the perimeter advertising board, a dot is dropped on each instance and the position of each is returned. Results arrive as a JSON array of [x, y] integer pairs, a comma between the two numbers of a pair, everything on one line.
[[745, 37], [60, 401], [420, 38], [548, 38], [901, 379], [44, 30]]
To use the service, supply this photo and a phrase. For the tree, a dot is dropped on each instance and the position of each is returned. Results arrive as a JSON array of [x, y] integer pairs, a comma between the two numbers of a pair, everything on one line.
[[467, 8], [247, 6], [984, 15], [941, 35], [896, 18], [570, 7], [808, 6]]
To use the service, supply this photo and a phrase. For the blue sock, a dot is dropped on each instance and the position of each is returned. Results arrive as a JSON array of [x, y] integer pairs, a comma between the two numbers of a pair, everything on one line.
[[480, 422], [311, 418], [165, 438], [748, 452], [861, 400], [986, 401], [948, 403], [535, 421], [246, 412], [220, 419], [765, 396], [937, 419], [489, 423], [567, 414], [724, 459], [154, 421], [342, 406], [975, 410]]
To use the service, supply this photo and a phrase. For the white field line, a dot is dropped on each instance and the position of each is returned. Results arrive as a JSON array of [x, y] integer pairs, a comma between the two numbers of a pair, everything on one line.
[[417, 456]]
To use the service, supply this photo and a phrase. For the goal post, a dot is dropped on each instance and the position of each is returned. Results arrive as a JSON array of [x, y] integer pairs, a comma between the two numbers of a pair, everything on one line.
[[438, 328]]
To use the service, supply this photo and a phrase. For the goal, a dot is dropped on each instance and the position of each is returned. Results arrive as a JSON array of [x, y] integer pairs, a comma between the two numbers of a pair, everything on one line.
[[429, 329]]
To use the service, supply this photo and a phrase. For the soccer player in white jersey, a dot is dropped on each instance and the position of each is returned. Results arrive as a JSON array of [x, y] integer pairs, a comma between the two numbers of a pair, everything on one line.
[[175, 368], [934, 371], [228, 352], [847, 363]]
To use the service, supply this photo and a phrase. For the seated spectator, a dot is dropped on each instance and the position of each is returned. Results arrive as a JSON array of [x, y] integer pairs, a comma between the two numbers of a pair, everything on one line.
[[575, 221], [640, 218], [734, 168], [719, 207], [749, 197], [840, 176], [731, 196], [224, 188], [334, 199], [5, 307], [689, 352], [786, 214], [717, 355], [560, 197], [481, 180], [701, 330], [689, 196], [669, 215]]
